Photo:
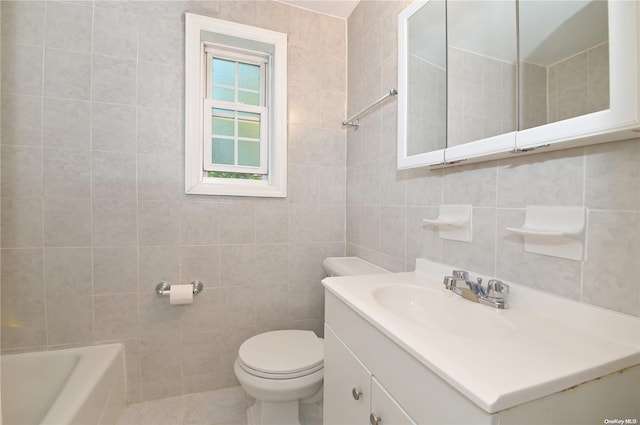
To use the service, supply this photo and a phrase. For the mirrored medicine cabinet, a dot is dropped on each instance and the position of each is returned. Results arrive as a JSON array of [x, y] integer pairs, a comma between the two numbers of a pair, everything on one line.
[[483, 79]]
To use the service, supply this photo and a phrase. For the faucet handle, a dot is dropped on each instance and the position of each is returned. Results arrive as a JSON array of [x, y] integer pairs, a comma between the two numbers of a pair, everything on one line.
[[460, 275], [497, 289], [449, 282]]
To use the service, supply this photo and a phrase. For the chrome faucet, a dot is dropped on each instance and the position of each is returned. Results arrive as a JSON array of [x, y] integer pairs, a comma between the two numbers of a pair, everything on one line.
[[495, 294]]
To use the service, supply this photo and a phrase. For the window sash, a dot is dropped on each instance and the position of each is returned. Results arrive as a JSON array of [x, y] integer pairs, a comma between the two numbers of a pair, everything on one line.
[[235, 55], [208, 164]]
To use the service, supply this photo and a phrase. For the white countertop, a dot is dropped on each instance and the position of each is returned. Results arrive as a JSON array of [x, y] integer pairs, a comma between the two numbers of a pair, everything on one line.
[[541, 345]]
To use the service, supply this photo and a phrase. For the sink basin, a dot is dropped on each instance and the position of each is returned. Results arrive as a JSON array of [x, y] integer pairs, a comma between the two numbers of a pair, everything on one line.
[[445, 311]]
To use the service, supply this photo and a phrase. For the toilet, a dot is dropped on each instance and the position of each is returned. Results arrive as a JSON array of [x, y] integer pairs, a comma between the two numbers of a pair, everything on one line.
[[280, 369]]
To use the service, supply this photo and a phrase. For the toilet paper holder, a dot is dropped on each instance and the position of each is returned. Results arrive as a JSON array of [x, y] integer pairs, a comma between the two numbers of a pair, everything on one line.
[[164, 288]]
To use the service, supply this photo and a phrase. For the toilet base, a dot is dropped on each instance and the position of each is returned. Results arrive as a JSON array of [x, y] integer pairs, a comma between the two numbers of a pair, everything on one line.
[[274, 413]]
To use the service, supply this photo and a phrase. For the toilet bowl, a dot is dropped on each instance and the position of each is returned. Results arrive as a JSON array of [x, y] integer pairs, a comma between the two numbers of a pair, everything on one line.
[[280, 369]]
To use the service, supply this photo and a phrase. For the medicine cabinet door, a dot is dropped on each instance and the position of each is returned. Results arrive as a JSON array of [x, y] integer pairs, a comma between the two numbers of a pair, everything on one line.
[[578, 72], [481, 78], [422, 68]]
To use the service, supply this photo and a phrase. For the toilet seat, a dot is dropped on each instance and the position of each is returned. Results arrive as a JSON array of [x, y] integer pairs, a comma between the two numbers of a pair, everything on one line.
[[284, 354]]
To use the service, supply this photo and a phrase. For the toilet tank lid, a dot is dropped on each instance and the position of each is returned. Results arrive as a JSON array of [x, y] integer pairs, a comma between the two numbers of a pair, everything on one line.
[[350, 266]]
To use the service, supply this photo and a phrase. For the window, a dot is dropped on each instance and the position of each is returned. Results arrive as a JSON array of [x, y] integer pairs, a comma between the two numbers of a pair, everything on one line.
[[235, 109]]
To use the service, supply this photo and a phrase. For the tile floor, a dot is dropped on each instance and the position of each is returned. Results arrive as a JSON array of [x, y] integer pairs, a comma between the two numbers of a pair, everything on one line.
[[222, 407]]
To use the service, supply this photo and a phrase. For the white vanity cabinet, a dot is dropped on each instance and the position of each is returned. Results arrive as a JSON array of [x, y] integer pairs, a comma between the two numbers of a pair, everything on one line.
[[351, 394], [392, 384]]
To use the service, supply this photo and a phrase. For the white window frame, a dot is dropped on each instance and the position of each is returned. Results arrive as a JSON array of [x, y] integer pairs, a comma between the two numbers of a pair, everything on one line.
[[274, 184]]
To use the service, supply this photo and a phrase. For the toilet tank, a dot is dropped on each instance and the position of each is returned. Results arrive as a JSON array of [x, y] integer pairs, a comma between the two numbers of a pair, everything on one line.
[[350, 266]]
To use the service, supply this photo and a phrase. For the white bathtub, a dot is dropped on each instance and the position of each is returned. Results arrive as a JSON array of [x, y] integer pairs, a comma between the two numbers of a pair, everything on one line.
[[77, 386]]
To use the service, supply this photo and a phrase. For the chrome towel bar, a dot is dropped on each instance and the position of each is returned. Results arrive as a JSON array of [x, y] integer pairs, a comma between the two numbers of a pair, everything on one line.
[[354, 120]]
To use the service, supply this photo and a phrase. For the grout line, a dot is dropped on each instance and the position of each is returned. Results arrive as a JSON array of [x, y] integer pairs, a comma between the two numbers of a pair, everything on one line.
[[44, 263], [93, 304]]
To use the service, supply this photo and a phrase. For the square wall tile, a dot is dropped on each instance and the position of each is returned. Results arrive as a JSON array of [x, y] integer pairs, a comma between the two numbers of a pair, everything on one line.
[[114, 80], [160, 40], [115, 270], [200, 263], [67, 222], [21, 69], [68, 272], [159, 223], [21, 120], [158, 85], [612, 176], [67, 74], [22, 222], [533, 180], [70, 320], [272, 225], [69, 26], [66, 123], [21, 171], [68, 173], [23, 322], [22, 273], [613, 250], [23, 22], [116, 317], [113, 175], [199, 223], [115, 33], [157, 316], [237, 265], [114, 223], [160, 357], [105, 135], [158, 130], [200, 353], [158, 264], [159, 176]]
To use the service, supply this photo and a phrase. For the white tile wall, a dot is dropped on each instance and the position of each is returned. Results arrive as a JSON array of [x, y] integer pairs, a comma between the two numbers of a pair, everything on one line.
[[93, 210]]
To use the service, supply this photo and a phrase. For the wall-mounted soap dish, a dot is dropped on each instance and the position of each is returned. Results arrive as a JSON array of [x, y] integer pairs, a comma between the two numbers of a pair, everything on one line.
[[453, 222], [555, 231]]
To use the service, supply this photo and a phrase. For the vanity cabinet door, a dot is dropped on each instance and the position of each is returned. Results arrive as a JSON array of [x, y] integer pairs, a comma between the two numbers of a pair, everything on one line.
[[347, 384], [385, 408]]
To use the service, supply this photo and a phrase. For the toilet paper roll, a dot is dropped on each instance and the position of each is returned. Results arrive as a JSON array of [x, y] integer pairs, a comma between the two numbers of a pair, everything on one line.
[[181, 294]]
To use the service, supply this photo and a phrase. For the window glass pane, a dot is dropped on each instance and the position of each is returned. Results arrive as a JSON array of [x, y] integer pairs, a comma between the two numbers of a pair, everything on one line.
[[248, 116], [224, 72], [224, 113], [248, 129], [248, 76], [248, 98], [222, 126], [222, 152], [248, 153], [226, 95]]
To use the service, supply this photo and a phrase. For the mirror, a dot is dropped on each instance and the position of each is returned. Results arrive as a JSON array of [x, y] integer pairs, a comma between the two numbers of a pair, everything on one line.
[[482, 58], [520, 75], [426, 76], [564, 60]]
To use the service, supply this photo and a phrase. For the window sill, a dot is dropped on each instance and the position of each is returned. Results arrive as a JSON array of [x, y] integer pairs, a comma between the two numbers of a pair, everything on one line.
[[224, 187]]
